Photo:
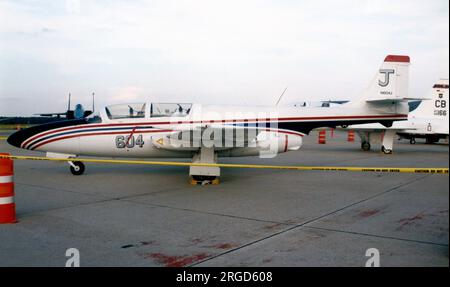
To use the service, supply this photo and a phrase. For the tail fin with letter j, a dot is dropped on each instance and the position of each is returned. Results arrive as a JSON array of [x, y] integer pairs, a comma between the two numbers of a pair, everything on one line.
[[387, 93]]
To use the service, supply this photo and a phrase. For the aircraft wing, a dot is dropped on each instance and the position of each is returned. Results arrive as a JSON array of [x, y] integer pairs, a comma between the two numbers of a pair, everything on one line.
[[51, 114], [338, 102]]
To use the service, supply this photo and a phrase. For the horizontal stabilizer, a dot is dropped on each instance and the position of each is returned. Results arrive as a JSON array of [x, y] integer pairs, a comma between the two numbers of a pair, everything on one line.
[[418, 99], [390, 100], [386, 100]]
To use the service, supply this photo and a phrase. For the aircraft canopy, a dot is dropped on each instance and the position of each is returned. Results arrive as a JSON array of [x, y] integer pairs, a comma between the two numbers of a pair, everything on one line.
[[139, 110]]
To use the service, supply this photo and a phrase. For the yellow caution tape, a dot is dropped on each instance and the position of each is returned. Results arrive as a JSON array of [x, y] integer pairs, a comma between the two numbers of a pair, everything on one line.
[[227, 165]]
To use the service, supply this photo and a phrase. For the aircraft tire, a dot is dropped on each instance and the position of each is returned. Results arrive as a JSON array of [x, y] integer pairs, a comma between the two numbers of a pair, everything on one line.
[[365, 146], [386, 151], [78, 169], [203, 178], [412, 141]]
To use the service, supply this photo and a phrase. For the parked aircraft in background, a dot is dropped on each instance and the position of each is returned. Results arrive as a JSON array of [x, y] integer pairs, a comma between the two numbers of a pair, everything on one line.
[[429, 121], [317, 104], [78, 113], [205, 132], [335, 103]]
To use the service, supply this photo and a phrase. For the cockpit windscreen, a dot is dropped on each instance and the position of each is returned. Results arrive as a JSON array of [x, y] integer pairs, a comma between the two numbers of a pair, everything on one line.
[[125, 111]]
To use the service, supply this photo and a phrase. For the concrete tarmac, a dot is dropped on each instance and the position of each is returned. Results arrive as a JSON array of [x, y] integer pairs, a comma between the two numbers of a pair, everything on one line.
[[134, 215]]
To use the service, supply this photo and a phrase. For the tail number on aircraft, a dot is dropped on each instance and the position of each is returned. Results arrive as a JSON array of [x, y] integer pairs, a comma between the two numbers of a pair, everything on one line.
[[440, 104], [129, 141]]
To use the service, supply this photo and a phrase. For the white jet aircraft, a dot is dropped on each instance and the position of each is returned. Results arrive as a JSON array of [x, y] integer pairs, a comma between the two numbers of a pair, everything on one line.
[[205, 132], [429, 121]]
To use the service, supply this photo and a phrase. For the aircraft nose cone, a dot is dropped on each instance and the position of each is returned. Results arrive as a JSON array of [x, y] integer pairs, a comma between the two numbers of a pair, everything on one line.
[[20, 137], [17, 138]]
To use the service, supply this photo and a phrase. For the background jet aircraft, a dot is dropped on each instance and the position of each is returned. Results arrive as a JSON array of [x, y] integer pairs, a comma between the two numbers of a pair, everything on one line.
[[334, 103], [78, 113], [206, 132], [429, 121], [323, 104]]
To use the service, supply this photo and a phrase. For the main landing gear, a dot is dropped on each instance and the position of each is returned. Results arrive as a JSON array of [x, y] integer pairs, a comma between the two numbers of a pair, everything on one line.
[[387, 141], [365, 146], [204, 174], [76, 167], [385, 150]]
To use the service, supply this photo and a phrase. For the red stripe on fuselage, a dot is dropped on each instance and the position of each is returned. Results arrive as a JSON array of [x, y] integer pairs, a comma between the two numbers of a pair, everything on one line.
[[92, 134], [129, 137], [153, 131], [210, 121]]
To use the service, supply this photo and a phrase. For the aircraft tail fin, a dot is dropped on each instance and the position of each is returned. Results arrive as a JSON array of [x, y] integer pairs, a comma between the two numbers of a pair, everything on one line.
[[388, 90], [436, 104]]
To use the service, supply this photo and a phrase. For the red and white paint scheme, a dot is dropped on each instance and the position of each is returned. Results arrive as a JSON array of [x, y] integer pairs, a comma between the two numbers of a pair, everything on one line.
[[206, 132]]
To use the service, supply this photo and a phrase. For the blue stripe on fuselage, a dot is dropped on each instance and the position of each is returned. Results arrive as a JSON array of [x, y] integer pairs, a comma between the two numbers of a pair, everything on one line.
[[87, 129], [260, 124]]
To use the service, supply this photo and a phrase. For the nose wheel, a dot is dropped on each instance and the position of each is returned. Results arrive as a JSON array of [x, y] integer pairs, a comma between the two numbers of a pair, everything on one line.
[[76, 167]]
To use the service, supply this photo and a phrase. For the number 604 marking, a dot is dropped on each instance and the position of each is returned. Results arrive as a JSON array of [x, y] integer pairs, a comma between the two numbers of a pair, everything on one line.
[[129, 141]]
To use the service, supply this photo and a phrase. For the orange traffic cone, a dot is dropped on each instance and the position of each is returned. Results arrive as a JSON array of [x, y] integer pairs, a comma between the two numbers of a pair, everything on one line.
[[7, 205], [322, 137], [351, 136]]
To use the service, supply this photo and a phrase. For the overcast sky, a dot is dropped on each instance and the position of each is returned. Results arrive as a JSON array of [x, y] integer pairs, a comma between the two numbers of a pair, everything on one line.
[[220, 52]]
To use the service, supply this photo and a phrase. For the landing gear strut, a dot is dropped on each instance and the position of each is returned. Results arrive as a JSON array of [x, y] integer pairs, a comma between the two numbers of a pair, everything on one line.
[[76, 167], [387, 142], [205, 174], [412, 141]]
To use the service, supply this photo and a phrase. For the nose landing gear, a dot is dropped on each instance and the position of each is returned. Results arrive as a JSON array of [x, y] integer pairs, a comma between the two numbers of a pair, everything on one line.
[[76, 167]]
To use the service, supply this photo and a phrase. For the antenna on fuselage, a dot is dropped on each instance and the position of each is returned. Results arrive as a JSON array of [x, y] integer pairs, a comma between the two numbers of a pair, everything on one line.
[[279, 99], [93, 102]]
